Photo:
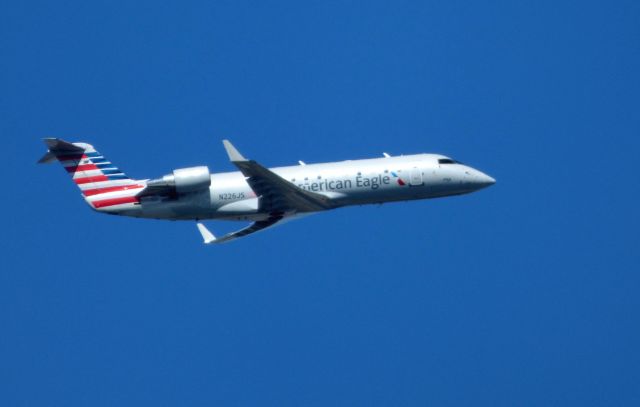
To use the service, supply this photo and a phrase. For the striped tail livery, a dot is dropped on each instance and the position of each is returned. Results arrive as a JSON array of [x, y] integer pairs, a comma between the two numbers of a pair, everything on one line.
[[104, 187]]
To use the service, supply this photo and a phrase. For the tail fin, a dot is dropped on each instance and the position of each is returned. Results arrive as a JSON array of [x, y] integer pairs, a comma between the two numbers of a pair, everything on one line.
[[102, 184]]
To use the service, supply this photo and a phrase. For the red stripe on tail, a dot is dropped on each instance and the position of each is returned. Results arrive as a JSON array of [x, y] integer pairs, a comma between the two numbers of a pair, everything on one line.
[[91, 192], [115, 201], [86, 180]]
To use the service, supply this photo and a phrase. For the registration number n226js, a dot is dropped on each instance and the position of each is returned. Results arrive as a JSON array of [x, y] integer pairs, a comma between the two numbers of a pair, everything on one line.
[[231, 196]]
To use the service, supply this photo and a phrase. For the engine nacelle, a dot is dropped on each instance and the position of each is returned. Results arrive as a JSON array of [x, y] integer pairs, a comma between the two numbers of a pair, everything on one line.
[[185, 180]]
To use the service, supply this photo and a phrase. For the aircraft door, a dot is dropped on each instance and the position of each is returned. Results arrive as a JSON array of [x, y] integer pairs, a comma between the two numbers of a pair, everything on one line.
[[415, 177]]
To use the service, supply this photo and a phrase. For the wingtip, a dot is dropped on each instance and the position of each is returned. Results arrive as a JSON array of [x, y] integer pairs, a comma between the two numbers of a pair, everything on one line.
[[206, 234], [232, 152]]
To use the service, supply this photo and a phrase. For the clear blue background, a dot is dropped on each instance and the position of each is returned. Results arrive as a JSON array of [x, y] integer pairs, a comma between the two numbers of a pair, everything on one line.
[[522, 294]]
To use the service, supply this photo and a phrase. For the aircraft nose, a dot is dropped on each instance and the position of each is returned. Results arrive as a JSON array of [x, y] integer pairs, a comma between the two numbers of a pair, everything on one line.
[[477, 179], [483, 180]]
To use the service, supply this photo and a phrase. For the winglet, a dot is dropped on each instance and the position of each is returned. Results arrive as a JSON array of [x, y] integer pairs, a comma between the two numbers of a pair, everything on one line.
[[234, 154], [206, 234]]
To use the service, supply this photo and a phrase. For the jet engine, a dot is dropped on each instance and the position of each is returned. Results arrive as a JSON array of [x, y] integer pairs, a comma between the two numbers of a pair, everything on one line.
[[184, 180]]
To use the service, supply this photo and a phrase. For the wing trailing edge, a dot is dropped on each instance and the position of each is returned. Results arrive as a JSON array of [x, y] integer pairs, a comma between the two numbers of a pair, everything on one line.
[[273, 220], [257, 226]]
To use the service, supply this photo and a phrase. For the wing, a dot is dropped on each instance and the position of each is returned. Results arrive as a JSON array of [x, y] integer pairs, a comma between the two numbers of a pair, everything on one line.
[[277, 195], [274, 220]]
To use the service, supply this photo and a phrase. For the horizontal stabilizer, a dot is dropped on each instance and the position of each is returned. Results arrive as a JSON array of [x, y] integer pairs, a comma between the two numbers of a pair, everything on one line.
[[59, 145], [56, 147], [49, 157]]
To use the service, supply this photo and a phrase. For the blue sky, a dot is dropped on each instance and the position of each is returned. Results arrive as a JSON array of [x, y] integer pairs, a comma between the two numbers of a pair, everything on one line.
[[522, 294]]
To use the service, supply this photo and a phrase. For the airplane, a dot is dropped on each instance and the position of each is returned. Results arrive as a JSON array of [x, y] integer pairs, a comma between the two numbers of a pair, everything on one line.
[[265, 196]]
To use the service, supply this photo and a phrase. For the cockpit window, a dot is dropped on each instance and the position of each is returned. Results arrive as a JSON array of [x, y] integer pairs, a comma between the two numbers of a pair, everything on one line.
[[447, 161]]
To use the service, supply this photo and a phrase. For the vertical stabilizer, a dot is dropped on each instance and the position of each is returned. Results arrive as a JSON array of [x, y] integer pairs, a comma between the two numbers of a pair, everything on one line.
[[102, 184]]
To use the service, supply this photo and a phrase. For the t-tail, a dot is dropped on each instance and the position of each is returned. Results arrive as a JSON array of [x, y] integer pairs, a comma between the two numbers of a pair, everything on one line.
[[104, 187]]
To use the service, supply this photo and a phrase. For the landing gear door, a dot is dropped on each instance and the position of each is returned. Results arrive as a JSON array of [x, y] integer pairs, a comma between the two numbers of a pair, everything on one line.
[[415, 177]]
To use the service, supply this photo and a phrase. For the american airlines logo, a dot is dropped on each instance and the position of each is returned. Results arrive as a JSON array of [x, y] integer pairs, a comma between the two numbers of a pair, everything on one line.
[[400, 180]]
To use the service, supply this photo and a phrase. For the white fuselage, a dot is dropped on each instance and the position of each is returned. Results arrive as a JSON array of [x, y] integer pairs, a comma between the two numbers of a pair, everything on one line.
[[352, 182]]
